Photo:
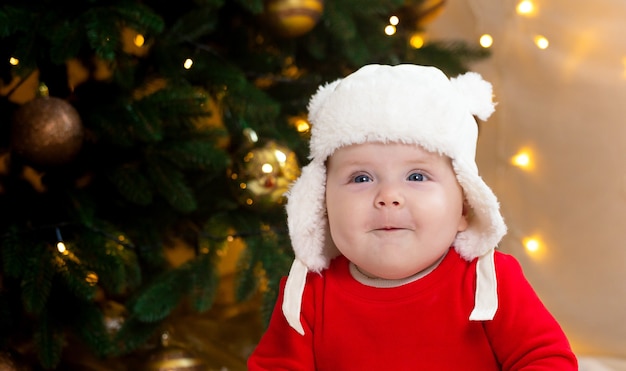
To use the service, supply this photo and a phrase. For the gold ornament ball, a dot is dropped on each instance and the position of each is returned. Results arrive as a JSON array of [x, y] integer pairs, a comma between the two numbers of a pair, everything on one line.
[[174, 358], [261, 176], [292, 18], [47, 131]]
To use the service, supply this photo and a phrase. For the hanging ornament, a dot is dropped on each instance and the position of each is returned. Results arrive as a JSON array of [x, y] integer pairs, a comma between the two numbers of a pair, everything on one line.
[[114, 314], [168, 357], [293, 18], [46, 131], [262, 173]]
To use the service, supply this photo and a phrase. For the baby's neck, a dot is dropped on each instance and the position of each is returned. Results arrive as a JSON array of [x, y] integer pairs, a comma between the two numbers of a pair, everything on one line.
[[386, 283]]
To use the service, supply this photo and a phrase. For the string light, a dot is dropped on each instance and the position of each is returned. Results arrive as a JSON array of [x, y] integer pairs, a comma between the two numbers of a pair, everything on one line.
[[14, 61], [534, 247], [60, 245], [525, 7], [531, 244], [417, 40], [302, 125], [139, 40], [486, 41], [523, 159], [390, 30], [393, 20], [188, 63], [251, 135], [541, 42]]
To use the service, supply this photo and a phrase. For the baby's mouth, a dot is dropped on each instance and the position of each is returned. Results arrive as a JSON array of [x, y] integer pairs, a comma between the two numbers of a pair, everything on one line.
[[389, 228]]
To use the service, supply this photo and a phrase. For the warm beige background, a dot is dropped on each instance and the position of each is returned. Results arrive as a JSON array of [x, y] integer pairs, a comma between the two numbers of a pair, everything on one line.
[[567, 104]]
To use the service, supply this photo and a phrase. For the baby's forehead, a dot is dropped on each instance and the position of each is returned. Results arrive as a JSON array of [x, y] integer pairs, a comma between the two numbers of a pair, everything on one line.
[[373, 146], [384, 151]]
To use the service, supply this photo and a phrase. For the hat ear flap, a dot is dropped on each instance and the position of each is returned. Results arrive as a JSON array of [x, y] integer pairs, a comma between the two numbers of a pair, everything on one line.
[[306, 218]]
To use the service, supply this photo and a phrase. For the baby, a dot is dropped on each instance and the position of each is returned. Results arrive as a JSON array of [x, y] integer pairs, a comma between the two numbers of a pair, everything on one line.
[[394, 234]]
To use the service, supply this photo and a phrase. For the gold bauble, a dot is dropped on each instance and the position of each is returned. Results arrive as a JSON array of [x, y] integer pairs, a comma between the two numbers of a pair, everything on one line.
[[292, 18], [174, 358], [261, 175], [169, 357], [47, 131]]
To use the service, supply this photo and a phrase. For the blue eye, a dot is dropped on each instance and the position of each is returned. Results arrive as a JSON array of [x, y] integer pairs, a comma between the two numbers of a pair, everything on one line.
[[417, 177], [361, 179]]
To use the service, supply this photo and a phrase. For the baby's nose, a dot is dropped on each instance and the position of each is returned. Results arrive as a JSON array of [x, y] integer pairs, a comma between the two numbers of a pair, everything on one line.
[[384, 203], [389, 196]]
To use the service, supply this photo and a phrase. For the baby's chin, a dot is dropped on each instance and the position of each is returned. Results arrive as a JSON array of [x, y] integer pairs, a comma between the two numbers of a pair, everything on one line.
[[398, 269]]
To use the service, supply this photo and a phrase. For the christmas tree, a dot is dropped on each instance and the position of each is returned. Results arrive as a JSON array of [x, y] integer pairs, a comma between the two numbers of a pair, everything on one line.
[[142, 140]]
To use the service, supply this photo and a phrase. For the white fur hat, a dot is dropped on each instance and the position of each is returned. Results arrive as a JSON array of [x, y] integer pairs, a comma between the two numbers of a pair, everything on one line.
[[408, 104]]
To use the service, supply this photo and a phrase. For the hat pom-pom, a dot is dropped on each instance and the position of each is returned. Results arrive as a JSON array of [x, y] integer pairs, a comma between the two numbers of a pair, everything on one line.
[[477, 92]]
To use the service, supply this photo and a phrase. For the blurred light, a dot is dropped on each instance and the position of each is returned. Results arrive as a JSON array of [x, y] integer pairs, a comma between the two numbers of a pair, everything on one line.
[[139, 40], [525, 7], [522, 159], [302, 125], [417, 41], [291, 71], [531, 244], [280, 156], [267, 168], [188, 63], [393, 20], [486, 41], [390, 30], [541, 42], [61, 247], [251, 135], [14, 61], [92, 278]]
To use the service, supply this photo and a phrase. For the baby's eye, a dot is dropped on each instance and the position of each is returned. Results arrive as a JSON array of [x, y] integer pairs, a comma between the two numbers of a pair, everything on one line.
[[361, 178], [417, 177]]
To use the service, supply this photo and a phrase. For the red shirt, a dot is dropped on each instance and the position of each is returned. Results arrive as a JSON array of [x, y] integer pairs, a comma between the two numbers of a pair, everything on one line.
[[422, 325]]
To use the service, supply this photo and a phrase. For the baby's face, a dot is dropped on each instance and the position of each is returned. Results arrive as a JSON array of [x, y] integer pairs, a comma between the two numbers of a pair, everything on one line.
[[393, 209]]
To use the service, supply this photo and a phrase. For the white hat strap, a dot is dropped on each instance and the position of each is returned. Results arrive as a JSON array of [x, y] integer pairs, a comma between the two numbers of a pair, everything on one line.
[[294, 288], [485, 305], [486, 300]]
